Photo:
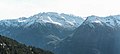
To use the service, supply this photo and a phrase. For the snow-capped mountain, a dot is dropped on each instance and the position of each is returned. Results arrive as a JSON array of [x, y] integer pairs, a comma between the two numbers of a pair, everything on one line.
[[44, 30], [96, 35]]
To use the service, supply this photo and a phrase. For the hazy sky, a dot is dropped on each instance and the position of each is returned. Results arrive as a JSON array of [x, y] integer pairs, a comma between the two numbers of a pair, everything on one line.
[[20, 8]]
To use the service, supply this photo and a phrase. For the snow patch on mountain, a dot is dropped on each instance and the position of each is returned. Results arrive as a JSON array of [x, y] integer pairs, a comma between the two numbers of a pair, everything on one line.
[[97, 21], [21, 20], [51, 21]]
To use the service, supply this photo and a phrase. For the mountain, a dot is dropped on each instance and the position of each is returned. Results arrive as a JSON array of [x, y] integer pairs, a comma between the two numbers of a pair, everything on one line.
[[44, 30], [65, 33], [9, 46], [96, 35]]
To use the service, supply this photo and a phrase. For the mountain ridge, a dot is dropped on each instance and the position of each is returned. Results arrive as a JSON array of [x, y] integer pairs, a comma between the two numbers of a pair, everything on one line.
[[94, 36]]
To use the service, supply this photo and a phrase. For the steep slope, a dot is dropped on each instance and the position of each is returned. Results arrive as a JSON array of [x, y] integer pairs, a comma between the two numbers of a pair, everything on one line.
[[44, 30], [97, 35], [9, 46]]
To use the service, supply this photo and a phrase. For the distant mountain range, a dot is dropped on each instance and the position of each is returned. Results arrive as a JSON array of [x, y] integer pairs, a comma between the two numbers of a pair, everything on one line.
[[9, 46], [65, 33]]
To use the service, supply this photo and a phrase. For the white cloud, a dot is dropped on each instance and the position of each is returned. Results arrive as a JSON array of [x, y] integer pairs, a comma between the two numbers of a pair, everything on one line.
[[19, 8]]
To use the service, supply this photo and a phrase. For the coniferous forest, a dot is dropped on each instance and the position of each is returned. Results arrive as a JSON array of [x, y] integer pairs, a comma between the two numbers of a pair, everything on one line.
[[9, 46]]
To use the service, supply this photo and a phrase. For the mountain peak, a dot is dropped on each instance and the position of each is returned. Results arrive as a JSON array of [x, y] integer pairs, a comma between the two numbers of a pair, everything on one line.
[[67, 20], [111, 21], [92, 18]]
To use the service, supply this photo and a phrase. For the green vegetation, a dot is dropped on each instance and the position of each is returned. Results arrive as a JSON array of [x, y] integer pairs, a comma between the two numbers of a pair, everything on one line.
[[9, 46]]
